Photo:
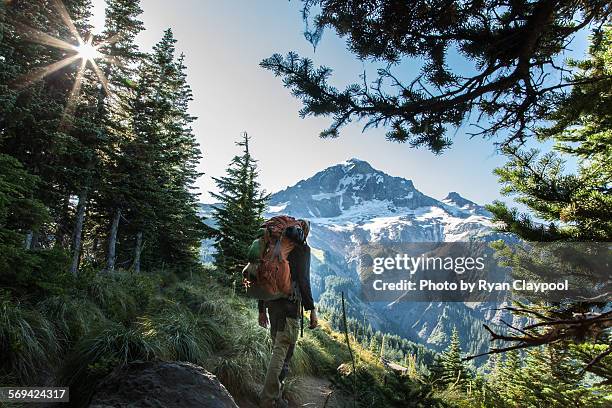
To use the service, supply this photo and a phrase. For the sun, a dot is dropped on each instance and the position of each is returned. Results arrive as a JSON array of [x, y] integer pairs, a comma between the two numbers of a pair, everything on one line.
[[87, 51]]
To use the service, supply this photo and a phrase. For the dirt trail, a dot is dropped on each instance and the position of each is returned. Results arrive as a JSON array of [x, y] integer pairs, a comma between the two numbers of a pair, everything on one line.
[[314, 392], [317, 392]]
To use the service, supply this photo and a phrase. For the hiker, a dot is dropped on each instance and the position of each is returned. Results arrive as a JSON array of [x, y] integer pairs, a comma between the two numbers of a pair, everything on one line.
[[285, 315]]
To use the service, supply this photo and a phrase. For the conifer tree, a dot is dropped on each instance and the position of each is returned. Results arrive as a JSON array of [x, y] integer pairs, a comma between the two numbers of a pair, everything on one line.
[[508, 46], [35, 104], [166, 213], [239, 214], [454, 372], [509, 385], [576, 207], [121, 27], [375, 344]]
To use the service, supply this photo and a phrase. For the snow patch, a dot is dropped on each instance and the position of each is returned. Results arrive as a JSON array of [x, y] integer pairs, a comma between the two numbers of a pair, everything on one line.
[[278, 208]]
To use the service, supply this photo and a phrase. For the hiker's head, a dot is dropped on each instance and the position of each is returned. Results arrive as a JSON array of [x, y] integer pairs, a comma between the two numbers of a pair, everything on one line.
[[305, 224]]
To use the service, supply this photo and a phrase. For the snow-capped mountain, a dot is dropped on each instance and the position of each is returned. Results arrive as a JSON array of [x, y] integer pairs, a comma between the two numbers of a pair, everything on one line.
[[354, 200], [352, 203]]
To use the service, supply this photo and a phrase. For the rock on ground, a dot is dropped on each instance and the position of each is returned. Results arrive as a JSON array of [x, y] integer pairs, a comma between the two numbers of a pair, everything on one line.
[[161, 384]]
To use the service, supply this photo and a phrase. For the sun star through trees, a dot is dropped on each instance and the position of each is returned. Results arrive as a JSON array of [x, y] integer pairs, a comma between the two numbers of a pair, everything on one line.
[[84, 51]]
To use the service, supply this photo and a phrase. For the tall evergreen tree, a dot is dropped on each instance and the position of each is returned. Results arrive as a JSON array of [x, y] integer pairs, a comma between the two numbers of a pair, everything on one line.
[[121, 27], [509, 379], [160, 164], [577, 208], [454, 372], [239, 214]]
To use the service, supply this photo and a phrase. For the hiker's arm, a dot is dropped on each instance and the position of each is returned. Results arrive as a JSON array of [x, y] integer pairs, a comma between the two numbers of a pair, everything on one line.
[[304, 279]]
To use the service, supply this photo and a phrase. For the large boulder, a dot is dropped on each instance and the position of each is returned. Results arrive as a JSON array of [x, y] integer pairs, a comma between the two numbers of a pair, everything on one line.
[[161, 384]]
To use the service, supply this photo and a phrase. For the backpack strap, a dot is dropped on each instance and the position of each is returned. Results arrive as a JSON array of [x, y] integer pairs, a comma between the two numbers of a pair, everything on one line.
[[296, 297]]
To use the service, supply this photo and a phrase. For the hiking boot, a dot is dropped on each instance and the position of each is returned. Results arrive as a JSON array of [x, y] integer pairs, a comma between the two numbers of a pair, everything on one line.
[[283, 373], [281, 403]]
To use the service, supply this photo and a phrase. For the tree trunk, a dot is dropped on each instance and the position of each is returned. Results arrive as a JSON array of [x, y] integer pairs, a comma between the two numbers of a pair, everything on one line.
[[78, 232], [137, 252], [63, 220], [35, 240], [28, 240], [112, 242]]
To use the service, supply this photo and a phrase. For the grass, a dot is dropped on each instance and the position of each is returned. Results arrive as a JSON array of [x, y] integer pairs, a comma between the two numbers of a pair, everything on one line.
[[102, 322], [28, 343]]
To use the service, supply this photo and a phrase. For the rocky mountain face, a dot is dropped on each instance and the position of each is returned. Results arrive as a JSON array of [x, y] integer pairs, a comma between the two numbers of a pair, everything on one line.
[[351, 204]]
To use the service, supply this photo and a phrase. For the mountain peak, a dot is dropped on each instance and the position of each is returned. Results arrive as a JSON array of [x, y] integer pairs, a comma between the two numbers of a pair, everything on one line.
[[354, 160], [457, 198], [357, 166], [348, 186]]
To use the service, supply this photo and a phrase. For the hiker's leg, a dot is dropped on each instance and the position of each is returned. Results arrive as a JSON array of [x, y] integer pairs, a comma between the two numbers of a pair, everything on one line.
[[285, 369], [283, 339]]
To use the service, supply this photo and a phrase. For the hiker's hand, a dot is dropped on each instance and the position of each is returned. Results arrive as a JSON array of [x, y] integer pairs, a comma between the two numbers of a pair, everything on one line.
[[263, 320], [314, 322]]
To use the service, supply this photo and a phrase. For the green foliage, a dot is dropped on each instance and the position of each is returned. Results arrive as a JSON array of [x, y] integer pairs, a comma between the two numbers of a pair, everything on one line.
[[506, 47], [579, 204], [72, 163], [28, 342], [239, 214], [454, 373], [545, 377], [161, 159], [189, 336], [576, 207], [73, 317]]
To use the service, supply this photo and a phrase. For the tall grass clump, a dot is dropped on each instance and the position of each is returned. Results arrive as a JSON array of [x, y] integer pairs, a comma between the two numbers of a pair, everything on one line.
[[28, 344], [241, 364], [109, 346], [182, 334], [112, 297], [72, 316]]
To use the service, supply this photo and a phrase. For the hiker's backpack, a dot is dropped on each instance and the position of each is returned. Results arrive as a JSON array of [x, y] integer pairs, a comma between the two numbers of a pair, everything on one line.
[[267, 275]]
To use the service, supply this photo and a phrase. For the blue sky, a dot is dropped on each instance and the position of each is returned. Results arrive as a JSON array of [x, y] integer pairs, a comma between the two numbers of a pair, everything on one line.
[[224, 41]]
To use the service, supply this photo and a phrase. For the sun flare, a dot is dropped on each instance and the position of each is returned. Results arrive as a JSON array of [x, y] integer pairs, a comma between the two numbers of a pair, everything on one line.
[[87, 51]]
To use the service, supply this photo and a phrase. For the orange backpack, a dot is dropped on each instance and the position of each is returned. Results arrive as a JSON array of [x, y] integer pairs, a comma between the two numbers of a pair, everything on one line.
[[269, 277]]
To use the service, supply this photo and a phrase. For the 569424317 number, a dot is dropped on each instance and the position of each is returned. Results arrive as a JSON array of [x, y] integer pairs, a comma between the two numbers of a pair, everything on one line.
[[34, 394]]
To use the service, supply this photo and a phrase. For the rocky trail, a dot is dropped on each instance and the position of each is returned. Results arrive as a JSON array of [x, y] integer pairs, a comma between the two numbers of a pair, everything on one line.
[[185, 385], [315, 392]]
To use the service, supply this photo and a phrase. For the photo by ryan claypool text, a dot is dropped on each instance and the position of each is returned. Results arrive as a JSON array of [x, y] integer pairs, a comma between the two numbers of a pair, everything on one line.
[[481, 286]]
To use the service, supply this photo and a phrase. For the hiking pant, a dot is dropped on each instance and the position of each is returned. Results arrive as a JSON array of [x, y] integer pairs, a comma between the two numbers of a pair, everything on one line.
[[284, 333]]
